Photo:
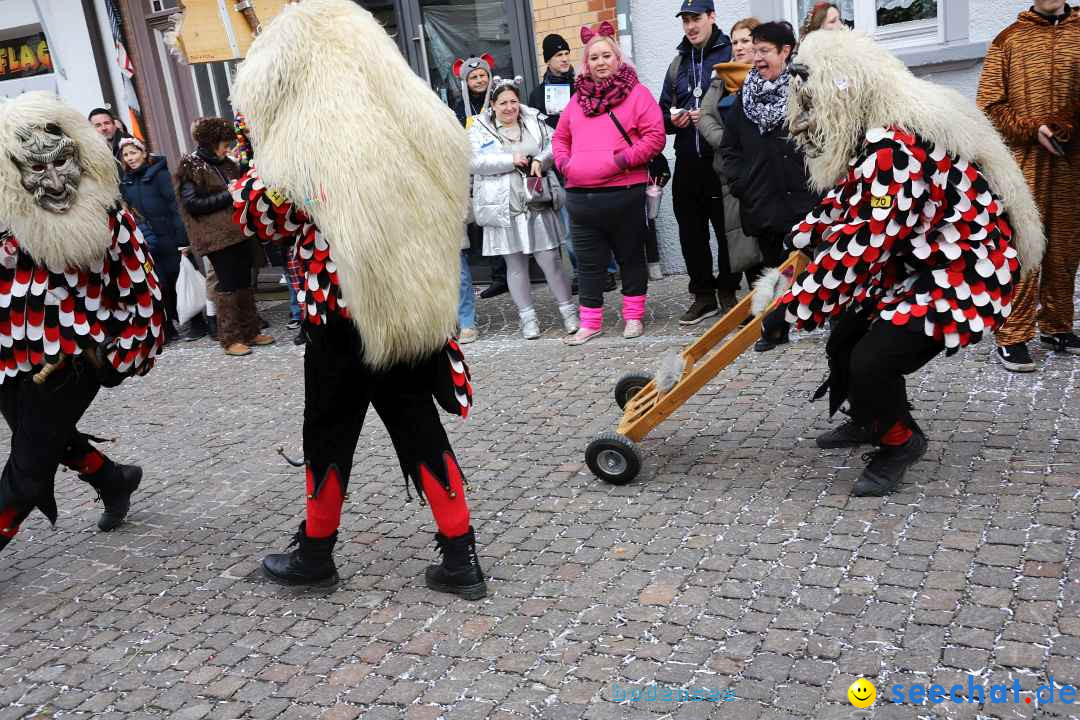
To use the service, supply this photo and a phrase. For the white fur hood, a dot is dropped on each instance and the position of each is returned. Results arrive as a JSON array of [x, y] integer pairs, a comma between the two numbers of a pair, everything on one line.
[[336, 114], [855, 84]]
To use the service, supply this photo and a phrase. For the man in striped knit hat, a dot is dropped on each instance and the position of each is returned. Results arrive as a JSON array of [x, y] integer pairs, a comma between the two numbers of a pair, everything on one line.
[[1030, 88]]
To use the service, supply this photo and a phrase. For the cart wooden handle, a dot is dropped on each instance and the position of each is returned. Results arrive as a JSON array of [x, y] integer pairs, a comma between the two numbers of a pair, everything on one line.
[[706, 357]]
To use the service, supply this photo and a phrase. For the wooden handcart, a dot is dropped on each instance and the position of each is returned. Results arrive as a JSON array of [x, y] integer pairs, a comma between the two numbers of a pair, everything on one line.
[[613, 456]]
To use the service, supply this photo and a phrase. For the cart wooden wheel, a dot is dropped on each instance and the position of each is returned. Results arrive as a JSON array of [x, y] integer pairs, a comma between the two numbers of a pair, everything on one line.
[[613, 458], [628, 386]]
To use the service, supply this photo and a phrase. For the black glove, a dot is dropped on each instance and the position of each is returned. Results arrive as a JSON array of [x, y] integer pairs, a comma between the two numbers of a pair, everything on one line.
[[107, 375], [775, 325]]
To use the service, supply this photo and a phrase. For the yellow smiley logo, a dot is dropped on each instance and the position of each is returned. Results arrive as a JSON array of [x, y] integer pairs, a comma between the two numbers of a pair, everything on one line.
[[862, 693]]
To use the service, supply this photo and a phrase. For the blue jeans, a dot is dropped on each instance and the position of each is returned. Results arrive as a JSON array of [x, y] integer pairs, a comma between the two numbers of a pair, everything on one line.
[[294, 306], [466, 299]]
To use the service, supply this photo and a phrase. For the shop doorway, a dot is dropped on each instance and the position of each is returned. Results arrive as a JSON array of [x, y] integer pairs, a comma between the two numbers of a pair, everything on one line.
[[431, 34]]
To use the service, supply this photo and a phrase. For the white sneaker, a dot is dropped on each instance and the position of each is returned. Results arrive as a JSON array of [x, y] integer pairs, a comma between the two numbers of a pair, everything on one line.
[[570, 320], [530, 326], [655, 273], [633, 329]]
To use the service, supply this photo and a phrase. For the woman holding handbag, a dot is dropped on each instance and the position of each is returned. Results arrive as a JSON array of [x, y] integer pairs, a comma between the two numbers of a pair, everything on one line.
[[606, 138], [516, 199]]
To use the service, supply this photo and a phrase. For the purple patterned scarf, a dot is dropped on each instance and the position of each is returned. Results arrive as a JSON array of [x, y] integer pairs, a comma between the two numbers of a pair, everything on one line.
[[597, 97]]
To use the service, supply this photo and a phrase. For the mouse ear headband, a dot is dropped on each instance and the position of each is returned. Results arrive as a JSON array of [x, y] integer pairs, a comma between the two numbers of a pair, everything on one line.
[[462, 68], [606, 29], [497, 83]]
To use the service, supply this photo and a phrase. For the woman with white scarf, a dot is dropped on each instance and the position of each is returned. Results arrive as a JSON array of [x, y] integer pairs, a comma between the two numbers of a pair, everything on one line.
[[764, 169]]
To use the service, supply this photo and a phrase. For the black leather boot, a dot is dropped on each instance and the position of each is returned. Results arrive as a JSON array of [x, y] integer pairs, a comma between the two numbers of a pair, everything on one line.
[[887, 466], [311, 563], [460, 571], [114, 484]]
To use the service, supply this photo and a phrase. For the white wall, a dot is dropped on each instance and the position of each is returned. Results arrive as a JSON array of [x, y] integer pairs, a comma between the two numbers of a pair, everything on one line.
[[69, 42], [656, 33]]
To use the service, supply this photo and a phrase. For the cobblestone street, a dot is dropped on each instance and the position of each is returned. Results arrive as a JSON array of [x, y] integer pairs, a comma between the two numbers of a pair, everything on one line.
[[736, 560]]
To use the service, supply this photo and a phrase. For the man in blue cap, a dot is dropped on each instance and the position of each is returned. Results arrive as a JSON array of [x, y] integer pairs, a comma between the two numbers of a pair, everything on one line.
[[696, 191]]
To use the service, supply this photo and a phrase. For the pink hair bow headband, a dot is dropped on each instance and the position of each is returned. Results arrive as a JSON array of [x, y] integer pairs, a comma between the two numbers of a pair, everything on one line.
[[606, 29]]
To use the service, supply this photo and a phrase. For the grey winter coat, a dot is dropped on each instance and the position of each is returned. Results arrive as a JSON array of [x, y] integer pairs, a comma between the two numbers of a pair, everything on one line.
[[536, 229]]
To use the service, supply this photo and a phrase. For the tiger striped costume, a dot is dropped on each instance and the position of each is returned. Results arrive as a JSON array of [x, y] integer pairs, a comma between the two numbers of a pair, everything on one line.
[[1031, 78]]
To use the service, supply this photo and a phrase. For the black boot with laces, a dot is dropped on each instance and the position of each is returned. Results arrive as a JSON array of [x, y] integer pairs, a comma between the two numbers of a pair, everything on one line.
[[311, 563], [460, 571], [114, 485], [887, 466]]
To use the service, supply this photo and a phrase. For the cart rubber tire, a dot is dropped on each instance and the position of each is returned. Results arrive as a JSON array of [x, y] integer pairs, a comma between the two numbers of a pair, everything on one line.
[[628, 386], [613, 458]]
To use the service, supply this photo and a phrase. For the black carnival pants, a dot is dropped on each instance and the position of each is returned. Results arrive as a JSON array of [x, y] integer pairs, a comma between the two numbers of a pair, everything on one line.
[[233, 266], [876, 366], [42, 419], [338, 389]]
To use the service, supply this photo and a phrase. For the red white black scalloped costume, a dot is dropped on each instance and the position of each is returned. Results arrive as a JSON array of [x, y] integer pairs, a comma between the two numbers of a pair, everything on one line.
[[911, 253], [112, 311], [914, 232], [338, 385], [46, 314]]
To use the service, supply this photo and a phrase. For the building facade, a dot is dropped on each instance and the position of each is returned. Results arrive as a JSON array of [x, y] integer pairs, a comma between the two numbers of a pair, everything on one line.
[[942, 40], [62, 46]]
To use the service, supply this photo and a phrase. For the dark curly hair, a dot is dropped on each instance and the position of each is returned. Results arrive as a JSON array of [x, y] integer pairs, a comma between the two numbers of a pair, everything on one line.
[[209, 131]]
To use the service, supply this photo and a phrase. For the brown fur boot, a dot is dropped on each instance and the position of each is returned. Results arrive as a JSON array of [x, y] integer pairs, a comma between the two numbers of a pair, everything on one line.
[[231, 328], [253, 334]]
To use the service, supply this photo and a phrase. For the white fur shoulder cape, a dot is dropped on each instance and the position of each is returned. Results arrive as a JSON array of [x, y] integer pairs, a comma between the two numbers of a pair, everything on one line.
[[339, 122]]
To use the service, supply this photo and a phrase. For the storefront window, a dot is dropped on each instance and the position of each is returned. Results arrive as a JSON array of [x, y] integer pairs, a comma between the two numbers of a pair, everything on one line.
[[457, 30], [897, 23]]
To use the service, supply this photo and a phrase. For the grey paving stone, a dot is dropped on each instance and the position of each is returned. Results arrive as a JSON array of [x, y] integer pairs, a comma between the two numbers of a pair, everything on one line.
[[737, 559]]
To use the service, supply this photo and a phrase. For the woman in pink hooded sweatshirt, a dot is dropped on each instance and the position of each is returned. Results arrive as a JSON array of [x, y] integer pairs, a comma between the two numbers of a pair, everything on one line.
[[606, 178]]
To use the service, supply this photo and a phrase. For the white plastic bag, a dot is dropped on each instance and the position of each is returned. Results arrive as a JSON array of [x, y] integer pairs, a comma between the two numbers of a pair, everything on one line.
[[190, 291]]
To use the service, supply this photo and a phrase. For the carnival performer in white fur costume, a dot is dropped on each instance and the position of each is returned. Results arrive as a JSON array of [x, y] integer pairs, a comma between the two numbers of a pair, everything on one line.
[[372, 191], [80, 306], [917, 246]]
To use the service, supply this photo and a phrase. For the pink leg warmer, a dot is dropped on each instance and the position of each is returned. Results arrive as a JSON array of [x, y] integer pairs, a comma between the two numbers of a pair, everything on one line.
[[633, 307], [593, 318]]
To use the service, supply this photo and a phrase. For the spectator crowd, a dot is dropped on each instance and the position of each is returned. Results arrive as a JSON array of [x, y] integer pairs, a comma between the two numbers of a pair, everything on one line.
[[578, 164]]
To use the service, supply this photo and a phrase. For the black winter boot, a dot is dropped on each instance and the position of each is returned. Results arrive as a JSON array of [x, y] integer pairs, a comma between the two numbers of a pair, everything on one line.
[[887, 466], [114, 484], [460, 571], [311, 563]]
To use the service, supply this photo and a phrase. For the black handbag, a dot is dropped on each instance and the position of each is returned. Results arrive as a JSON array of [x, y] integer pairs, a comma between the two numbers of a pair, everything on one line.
[[659, 169]]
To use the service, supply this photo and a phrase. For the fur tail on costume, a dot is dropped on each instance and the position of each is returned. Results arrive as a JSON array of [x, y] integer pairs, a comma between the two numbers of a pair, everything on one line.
[[769, 288], [671, 369]]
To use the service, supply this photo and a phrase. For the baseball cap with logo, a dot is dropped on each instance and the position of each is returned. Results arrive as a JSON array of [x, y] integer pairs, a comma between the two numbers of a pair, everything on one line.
[[695, 7]]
